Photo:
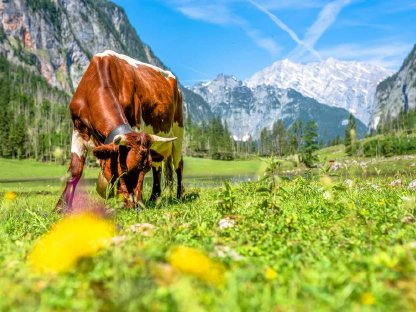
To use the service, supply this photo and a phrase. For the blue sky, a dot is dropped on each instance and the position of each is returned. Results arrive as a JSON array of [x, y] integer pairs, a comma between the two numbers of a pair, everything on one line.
[[198, 39]]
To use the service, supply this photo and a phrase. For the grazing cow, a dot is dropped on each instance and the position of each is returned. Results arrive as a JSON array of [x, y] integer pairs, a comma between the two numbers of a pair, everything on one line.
[[130, 114]]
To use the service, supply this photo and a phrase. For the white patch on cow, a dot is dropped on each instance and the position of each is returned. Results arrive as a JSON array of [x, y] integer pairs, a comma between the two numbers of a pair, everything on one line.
[[135, 63], [78, 144]]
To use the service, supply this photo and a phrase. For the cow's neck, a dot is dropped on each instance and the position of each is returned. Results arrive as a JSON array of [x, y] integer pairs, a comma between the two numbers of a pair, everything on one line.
[[121, 129]]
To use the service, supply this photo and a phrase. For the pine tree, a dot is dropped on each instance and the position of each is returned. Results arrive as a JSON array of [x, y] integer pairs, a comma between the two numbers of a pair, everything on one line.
[[295, 136], [350, 134], [309, 144]]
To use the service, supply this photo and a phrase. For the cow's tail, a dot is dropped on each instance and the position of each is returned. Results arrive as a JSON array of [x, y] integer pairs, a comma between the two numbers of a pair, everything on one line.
[[168, 172]]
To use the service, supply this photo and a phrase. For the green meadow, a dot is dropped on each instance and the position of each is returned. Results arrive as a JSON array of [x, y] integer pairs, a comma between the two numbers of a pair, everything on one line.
[[294, 240], [194, 167]]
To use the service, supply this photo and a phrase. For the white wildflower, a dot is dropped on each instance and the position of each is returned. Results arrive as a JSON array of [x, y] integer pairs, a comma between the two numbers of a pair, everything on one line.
[[336, 166], [328, 195], [349, 183], [397, 182], [226, 251], [412, 185], [145, 229], [226, 223], [117, 240]]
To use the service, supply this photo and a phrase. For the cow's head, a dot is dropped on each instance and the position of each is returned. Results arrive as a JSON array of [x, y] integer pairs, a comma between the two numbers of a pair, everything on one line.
[[127, 159]]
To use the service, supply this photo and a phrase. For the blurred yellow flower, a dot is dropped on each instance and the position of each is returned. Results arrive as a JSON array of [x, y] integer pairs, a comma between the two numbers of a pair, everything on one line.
[[195, 263], [368, 298], [58, 153], [326, 181], [74, 237], [10, 196], [270, 274]]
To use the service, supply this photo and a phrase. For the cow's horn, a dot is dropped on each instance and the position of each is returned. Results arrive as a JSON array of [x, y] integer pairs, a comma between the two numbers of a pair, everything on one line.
[[156, 138], [120, 139]]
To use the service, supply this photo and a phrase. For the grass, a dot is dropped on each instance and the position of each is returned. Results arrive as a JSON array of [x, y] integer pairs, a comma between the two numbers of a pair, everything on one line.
[[194, 167], [299, 244]]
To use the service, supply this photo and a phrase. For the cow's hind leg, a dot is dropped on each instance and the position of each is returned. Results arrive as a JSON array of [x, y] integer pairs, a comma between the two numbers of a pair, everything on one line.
[[78, 153], [156, 189], [179, 172]]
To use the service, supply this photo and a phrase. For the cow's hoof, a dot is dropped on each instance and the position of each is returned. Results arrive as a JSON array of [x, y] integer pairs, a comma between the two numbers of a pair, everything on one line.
[[60, 207]]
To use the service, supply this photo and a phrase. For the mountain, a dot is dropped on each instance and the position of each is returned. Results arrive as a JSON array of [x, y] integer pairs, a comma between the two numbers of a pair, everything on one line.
[[391, 92], [348, 85], [57, 38], [248, 110]]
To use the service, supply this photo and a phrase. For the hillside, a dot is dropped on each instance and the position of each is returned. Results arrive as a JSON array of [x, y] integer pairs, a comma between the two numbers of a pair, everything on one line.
[[391, 92], [34, 118], [56, 40]]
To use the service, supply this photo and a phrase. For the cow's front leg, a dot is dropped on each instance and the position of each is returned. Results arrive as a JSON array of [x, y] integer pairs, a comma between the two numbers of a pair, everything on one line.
[[78, 154], [138, 191], [75, 170], [156, 189], [179, 172]]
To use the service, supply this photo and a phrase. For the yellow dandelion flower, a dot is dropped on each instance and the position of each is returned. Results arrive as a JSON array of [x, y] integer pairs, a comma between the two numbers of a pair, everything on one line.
[[70, 239], [368, 299], [270, 274], [10, 196], [195, 263]]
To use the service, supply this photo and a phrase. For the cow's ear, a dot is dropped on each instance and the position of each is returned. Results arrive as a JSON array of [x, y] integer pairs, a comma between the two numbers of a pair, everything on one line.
[[105, 151], [156, 157]]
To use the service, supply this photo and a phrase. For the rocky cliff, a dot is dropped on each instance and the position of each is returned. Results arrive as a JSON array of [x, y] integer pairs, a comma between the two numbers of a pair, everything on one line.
[[57, 38], [398, 92]]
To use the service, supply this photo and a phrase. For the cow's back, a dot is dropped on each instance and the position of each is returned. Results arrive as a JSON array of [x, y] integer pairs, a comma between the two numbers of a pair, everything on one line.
[[116, 89]]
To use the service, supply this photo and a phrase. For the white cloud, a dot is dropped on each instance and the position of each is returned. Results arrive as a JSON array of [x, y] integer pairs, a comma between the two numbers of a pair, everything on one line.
[[267, 44], [388, 54], [218, 12], [212, 13]]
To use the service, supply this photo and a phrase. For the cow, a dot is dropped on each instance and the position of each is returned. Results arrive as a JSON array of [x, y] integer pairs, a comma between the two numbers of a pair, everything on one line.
[[130, 114]]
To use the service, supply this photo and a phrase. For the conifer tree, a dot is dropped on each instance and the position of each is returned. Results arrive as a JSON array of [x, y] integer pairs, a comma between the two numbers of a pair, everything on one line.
[[309, 144], [350, 134]]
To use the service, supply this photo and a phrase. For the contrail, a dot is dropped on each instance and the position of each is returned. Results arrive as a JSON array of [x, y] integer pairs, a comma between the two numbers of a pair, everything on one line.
[[285, 28], [326, 18]]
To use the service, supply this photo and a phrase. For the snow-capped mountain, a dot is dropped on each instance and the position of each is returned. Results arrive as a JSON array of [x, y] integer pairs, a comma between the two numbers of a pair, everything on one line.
[[348, 85], [248, 110]]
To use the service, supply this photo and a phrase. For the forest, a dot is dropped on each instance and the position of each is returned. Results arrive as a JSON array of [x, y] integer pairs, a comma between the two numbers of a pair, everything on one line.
[[34, 119]]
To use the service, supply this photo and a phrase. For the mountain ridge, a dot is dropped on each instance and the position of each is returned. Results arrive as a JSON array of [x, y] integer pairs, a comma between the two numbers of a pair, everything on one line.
[[248, 110], [347, 84]]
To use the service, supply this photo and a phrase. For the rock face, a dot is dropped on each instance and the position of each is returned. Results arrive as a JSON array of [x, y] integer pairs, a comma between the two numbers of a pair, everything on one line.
[[394, 92], [348, 85], [57, 38], [249, 110]]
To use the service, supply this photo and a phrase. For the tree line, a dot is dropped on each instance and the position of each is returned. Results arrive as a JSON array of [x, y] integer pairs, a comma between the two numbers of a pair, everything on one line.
[[34, 117], [393, 136], [213, 139]]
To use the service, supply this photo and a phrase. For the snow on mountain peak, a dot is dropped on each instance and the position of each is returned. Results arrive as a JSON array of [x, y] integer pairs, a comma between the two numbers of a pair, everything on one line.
[[346, 84]]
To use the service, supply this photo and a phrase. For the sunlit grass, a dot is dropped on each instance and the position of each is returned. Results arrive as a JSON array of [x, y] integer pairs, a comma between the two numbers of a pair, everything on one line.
[[317, 244]]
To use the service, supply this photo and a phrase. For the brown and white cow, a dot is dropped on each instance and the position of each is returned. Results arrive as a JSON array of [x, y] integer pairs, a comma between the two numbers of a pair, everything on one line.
[[130, 113]]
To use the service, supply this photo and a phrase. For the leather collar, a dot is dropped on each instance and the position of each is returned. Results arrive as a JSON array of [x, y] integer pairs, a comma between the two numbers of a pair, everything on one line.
[[122, 129]]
